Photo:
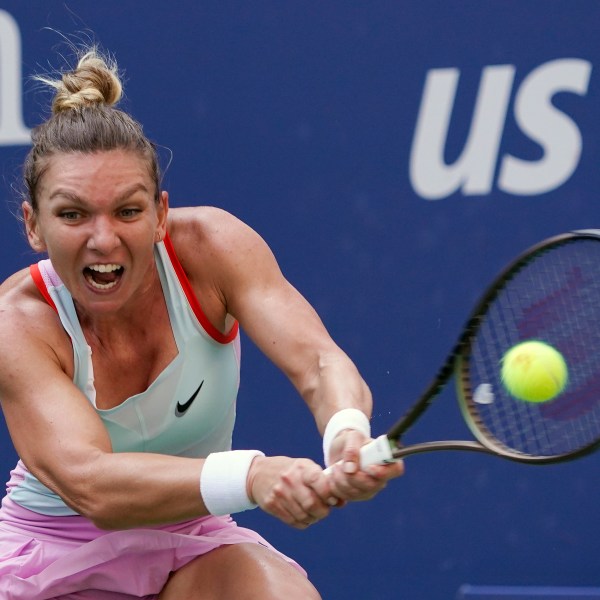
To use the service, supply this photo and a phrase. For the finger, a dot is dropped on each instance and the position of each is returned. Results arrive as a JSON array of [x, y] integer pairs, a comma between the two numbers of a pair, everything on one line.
[[304, 516], [388, 471], [280, 506], [299, 499], [357, 486], [320, 484], [351, 451], [313, 505]]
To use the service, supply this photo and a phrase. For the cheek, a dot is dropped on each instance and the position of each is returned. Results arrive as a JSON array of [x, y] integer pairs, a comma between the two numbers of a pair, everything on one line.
[[61, 249]]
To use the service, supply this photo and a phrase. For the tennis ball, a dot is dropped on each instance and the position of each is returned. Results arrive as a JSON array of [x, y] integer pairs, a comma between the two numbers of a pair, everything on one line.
[[534, 371]]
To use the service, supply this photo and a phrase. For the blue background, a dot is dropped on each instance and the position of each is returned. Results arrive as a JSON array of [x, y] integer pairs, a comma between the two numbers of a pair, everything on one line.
[[299, 118]]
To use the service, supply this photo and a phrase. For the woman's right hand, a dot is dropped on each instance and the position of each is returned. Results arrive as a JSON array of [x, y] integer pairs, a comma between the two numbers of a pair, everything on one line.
[[292, 489]]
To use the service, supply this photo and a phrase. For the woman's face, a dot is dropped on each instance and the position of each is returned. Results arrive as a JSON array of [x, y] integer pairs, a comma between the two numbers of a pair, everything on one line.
[[98, 220]]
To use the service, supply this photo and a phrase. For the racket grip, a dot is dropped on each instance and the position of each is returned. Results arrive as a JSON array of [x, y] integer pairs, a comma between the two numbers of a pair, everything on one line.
[[376, 452]]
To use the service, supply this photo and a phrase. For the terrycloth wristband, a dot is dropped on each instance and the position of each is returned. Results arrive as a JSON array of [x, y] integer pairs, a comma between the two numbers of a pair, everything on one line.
[[347, 418], [223, 481]]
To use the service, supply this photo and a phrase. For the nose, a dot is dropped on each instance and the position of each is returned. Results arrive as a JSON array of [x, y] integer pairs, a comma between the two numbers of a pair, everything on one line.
[[103, 236]]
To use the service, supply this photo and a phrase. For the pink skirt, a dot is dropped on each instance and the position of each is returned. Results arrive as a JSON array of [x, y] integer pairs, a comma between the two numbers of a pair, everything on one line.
[[43, 557]]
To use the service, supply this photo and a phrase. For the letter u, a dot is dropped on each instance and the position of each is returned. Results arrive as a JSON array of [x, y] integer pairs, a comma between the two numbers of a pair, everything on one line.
[[473, 171]]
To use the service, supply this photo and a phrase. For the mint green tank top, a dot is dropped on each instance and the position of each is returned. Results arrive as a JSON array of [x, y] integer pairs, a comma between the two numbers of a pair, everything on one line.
[[188, 410]]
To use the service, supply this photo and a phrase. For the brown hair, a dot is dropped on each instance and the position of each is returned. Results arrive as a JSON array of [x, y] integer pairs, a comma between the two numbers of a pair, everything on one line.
[[84, 120]]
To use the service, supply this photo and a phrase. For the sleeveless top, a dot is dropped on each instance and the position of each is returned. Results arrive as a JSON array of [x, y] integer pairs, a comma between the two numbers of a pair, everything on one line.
[[188, 410]]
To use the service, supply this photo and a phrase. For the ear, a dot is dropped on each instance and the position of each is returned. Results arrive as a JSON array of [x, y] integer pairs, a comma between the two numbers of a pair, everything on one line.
[[31, 227], [162, 210]]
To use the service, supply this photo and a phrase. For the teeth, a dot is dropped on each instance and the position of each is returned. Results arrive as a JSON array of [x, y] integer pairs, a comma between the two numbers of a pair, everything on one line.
[[102, 286], [99, 268], [104, 268]]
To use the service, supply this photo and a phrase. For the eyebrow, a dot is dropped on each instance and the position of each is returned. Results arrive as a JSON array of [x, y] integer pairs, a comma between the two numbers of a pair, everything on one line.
[[73, 197]]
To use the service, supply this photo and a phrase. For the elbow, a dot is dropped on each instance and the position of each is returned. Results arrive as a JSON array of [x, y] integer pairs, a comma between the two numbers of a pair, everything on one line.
[[91, 509], [82, 490], [99, 511], [98, 505], [85, 501], [105, 523], [104, 508]]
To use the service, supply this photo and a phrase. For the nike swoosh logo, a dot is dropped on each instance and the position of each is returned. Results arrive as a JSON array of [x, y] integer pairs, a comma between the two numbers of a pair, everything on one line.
[[181, 409]]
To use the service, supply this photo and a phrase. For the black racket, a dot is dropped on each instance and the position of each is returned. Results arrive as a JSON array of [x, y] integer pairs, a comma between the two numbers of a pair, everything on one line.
[[549, 293]]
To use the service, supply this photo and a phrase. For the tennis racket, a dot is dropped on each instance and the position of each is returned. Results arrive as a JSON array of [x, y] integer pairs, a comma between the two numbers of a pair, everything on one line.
[[550, 293]]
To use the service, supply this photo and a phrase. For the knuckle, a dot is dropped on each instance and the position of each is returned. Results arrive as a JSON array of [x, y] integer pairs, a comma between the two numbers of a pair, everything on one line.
[[312, 506], [287, 477], [307, 505], [279, 491], [270, 505]]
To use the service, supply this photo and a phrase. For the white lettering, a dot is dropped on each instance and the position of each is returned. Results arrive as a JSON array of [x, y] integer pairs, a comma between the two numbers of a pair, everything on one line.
[[555, 132], [474, 169], [473, 172], [12, 128]]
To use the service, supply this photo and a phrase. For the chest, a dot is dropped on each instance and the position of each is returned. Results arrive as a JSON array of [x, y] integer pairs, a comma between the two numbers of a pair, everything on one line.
[[188, 410], [129, 369], [126, 361]]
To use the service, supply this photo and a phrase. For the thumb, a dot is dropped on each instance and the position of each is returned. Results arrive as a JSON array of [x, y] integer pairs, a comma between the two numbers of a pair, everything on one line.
[[351, 451]]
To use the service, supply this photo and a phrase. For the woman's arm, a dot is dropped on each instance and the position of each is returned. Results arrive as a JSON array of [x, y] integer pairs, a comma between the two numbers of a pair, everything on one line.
[[235, 273], [250, 286], [62, 441]]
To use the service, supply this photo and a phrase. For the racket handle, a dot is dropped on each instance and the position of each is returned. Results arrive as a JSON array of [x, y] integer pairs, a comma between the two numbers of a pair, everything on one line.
[[376, 452]]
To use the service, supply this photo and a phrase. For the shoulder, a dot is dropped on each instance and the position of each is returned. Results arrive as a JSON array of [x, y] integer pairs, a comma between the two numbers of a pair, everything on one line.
[[213, 236], [27, 317], [206, 224], [226, 261], [20, 297]]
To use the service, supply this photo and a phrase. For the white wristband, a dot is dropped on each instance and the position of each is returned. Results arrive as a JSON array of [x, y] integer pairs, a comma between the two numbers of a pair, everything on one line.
[[347, 418], [223, 481]]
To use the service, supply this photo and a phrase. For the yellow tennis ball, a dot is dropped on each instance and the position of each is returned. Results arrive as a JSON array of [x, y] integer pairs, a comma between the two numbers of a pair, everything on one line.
[[534, 371]]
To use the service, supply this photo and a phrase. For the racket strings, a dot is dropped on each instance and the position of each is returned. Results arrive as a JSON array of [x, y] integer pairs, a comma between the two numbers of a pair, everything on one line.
[[554, 297]]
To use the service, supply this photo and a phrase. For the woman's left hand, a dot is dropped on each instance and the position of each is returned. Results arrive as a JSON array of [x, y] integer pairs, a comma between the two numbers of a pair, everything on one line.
[[347, 480]]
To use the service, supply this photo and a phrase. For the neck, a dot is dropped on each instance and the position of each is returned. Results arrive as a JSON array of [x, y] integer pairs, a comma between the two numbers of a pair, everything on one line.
[[140, 315]]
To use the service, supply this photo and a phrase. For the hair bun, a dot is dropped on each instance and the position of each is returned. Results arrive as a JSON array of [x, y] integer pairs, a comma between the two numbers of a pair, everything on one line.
[[95, 80], [85, 120]]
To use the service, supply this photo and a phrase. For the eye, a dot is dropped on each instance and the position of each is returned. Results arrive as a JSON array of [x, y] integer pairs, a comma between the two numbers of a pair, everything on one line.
[[70, 215], [128, 213]]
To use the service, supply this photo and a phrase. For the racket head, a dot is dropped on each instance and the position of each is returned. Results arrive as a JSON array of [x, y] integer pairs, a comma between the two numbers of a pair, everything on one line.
[[550, 293]]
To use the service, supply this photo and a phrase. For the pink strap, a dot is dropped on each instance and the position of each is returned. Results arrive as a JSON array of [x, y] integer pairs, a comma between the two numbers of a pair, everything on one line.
[[41, 284]]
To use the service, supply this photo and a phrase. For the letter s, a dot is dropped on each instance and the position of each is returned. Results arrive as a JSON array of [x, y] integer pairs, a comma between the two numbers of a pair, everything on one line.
[[554, 131]]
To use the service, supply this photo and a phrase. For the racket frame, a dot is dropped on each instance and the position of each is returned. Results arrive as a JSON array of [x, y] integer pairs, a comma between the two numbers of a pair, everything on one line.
[[388, 447]]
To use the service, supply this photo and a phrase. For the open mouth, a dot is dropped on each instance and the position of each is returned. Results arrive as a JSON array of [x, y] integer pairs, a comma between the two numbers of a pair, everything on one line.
[[103, 277]]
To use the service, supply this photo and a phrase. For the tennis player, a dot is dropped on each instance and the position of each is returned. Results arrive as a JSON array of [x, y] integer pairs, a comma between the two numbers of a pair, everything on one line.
[[119, 374]]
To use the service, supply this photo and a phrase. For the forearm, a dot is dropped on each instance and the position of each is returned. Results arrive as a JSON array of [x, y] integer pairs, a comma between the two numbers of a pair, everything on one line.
[[146, 489], [125, 490], [334, 385], [343, 416]]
